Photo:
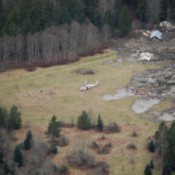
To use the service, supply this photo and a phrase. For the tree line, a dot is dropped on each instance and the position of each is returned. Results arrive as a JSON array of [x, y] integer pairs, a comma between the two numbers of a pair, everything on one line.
[[163, 145], [53, 45], [20, 16], [59, 31]]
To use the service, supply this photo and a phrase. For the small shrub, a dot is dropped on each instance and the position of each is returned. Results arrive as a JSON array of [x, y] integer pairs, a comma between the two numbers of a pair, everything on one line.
[[104, 150], [134, 134], [131, 146], [102, 169], [109, 144], [61, 169], [53, 149], [94, 145], [103, 165], [113, 128], [63, 141], [102, 137]]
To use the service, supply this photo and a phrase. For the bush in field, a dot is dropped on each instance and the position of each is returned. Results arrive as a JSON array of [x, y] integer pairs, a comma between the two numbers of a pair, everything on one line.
[[104, 149], [131, 146], [94, 145], [102, 169], [80, 158], [134, 134], [63, 141], [151, 164], [61, 169], [151, 146], [84, 121], [113, 128], [53, 148]]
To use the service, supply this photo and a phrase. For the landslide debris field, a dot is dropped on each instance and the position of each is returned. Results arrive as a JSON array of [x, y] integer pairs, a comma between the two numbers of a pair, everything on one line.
[[134, 94], [150, 86]]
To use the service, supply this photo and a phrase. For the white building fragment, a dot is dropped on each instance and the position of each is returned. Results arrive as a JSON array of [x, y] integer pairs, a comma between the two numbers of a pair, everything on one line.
[[156, 34], [146, 56]]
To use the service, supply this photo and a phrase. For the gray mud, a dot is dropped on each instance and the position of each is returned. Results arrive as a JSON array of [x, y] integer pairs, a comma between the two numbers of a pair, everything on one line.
[[123, 93], [142, 105]]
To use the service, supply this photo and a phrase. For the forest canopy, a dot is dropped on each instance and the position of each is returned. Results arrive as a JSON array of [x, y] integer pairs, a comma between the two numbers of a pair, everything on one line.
[[59, 31]]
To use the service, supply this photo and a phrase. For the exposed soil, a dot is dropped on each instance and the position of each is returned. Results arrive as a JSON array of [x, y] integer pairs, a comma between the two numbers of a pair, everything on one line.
[[150, 86]]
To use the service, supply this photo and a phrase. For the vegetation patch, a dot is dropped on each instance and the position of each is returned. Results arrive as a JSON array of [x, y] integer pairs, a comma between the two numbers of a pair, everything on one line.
[[84, 71], [81, 159]]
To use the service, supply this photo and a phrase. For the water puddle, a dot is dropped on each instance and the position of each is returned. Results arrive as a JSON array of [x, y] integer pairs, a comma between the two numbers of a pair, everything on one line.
[[142, 105]]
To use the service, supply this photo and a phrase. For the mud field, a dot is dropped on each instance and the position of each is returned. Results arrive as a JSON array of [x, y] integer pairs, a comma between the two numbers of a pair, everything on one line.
[[151, 86]]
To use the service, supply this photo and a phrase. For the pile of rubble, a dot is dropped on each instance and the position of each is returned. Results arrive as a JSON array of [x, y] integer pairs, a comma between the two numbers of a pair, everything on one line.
[[154, 83]]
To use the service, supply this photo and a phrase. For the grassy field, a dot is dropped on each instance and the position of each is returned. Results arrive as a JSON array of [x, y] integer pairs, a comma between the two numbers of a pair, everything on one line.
[[55, 90]]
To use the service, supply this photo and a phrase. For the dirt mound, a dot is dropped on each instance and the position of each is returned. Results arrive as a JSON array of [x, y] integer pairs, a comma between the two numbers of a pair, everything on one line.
[[84, 72]]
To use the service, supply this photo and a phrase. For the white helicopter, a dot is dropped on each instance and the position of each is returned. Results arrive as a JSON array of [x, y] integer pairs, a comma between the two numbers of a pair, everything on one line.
[[88, 86]]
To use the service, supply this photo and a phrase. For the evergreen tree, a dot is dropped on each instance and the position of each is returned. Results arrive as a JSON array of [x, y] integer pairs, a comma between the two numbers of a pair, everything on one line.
[[147, 170], [161, 139], [99, 124], [28, 140], [14, 121], [6, 168], [151, 164], [109, 19], [151, 146], [141, 10], [3, 117], [91, 11], [124, 21], [1, 156], [84, 121], [18, 156], [166, 168], [54, 128], [170, 142]]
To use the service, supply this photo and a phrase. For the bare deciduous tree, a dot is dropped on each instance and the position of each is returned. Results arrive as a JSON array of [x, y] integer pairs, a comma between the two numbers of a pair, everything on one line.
[[106, 33], [33, 47]]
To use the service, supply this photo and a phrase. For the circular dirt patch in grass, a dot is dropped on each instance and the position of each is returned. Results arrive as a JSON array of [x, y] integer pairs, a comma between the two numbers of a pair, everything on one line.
[[84, 72]]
